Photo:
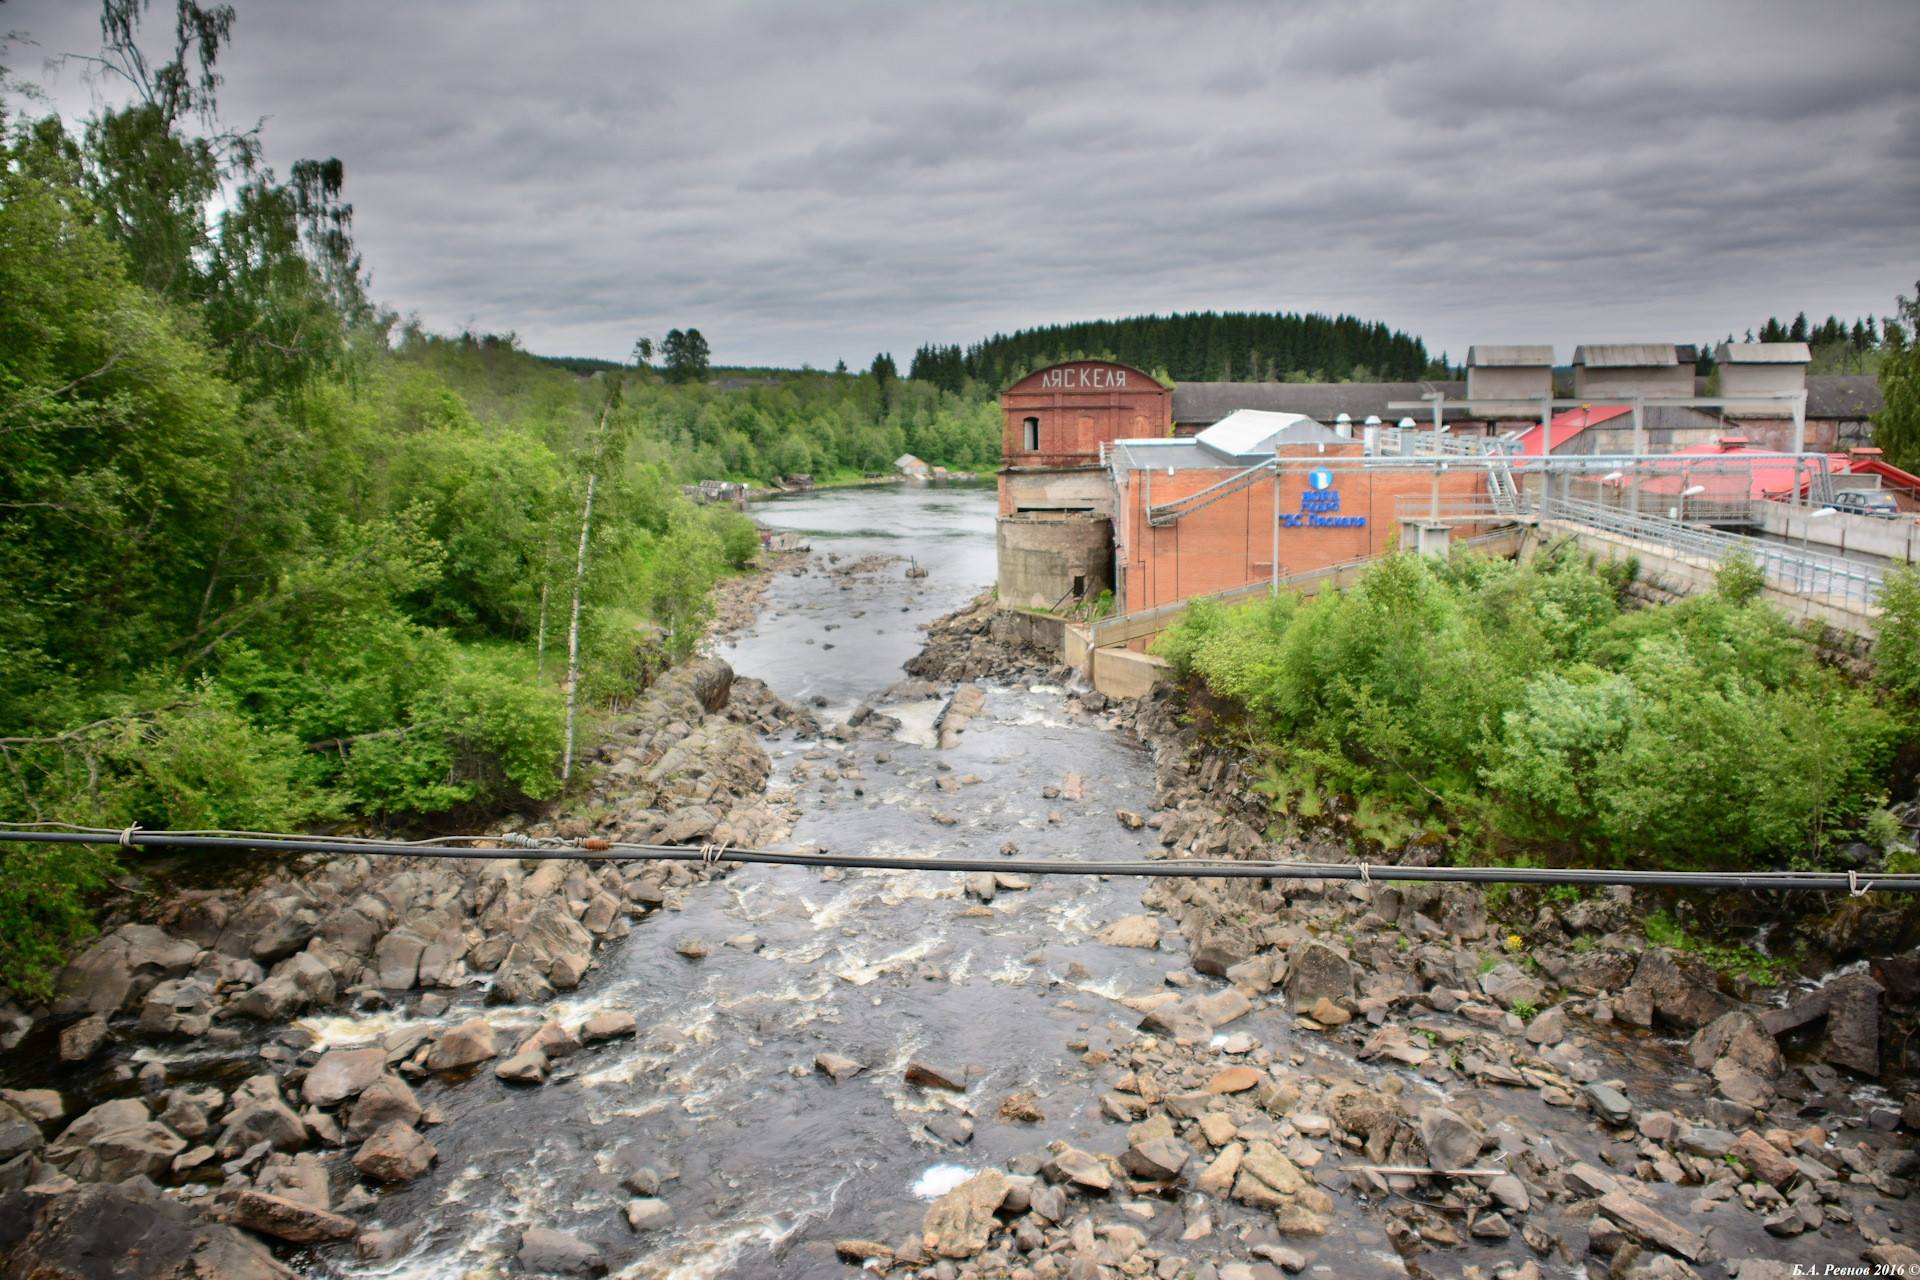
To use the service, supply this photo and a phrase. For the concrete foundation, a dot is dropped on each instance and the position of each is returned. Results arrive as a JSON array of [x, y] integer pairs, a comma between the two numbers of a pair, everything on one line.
[[1050, 558], [1052, 490], [1122, 673]]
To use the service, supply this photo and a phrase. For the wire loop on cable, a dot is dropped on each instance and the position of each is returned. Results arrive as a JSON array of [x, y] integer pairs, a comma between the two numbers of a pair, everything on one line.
[[1854, 887], [1366, 873], [126, 836]]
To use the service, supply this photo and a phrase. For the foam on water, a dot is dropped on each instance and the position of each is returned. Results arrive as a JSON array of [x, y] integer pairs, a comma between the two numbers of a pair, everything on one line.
[[940, 1179]]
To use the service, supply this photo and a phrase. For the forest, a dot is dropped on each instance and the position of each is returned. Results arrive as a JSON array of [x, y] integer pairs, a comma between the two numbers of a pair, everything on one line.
[[1202, 346], [271, 557]]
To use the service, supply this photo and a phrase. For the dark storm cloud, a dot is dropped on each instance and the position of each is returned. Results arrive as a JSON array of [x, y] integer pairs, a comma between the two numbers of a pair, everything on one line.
[[811, 181]]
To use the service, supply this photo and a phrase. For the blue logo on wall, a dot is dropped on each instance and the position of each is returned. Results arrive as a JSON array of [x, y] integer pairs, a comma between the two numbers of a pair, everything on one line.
[[1319, 506]]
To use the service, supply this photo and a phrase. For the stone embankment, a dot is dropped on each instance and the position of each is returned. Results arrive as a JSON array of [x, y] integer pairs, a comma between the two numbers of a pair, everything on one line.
[[296, 1150], [1624, 1106]]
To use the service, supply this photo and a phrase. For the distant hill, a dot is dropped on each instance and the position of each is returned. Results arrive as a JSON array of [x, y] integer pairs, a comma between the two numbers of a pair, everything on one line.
[[1201, 346]]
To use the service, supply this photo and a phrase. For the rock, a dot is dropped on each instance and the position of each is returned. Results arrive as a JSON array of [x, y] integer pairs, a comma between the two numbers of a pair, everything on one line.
[[1610, 1104], [1549, 1027], [960, 1223], [841, 1069], [1130, 820], [932, 1077], [551, 1041], [1463, 912], [523, 1068], [341, 1074], [1329, 1014], [384, 1245], [1234, 1080], [1218, 1177], [84, 1039], [120, 969], [42, 1106], [519, 983], [1131, 931], [608, 1026], [948, 1127], [1070, 1164], [110, 1232], [1643, 1224], [649, 1214], [1657, 1126], [464, 1045], [1491, 1226], [288, 1219], [544, 1249], [1711, 1144], [1047, 1202], [267, 1120], [1587, 1180], [1451, 1142], [1764, 1159], [1219, 949], [1853, 1024], [395, 1153], [1680, 988], [386, 1101], [1509, 1191], [1298, 1220], [1739, 1085], [1158, 1159], [693, 948], [113, 1142], [177, 1007], [1315, 972], [1740, 1037], [859, 1251], [1218, 1010], [981, 885]]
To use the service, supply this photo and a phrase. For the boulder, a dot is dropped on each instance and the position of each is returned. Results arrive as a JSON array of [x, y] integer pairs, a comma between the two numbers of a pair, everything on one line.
[[84, 1038], [1764, 1159], [648, 1213], [1451, 1142], [110, 1232], [1651, 1228], [1131, 931], [1463, 912], [1741, 1038], [120, 969], [552, 1041], [341, 1074], [395, 1153], [1549, 1027], [523, 1068], [287, 1219], [1680, 988], [556, 1252], [608, 1026], [387, 1100], [397, 960], [177, 1007], [960, 1223], [285, 936], [267, 1120], [1219, 949], [1157, 1159], [928, 1076], [113, 1142], [470, 1042], [841, 1069], [1318, 971], [1739, 1085], [519, 983], [1852, 1038]]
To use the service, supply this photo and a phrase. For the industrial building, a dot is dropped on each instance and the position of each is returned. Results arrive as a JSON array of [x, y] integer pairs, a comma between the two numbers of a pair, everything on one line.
[[1113, 481]]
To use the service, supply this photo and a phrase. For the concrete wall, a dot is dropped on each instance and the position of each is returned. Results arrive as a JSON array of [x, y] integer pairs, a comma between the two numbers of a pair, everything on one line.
[[1044, 631], [1649, 380], [1040, 557], [1076, 489], [1685, 575], [1122, 673], [1894, 539], [1509, 383], [1761, 380]]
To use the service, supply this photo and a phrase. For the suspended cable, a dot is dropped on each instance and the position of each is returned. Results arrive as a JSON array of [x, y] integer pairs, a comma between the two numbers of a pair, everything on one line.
[[594, 849]]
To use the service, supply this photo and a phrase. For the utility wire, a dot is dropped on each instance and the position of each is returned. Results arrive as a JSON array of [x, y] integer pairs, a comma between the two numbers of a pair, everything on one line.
[[597, 850]]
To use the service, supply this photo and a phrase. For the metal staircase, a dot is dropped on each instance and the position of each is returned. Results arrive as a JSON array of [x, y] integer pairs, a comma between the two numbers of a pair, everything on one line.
[[1503, 490]]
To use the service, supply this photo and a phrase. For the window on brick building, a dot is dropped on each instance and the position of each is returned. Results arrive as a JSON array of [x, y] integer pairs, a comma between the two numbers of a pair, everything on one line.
[[1031, 428]]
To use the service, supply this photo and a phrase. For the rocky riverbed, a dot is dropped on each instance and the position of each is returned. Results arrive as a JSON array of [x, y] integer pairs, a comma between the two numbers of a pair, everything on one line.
[[438, 1067]]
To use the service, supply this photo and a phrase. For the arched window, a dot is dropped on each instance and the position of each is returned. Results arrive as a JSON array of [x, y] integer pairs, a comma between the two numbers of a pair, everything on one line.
[[1032, 435]]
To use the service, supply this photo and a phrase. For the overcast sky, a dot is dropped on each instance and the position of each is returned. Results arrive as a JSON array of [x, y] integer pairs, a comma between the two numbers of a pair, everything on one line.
[[817, 181]]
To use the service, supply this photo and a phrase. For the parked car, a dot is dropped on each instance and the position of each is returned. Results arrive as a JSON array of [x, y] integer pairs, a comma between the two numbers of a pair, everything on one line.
[[1867, 502]]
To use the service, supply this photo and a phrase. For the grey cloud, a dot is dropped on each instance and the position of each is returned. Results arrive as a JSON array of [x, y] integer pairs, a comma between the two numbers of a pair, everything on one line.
[[806, 181]]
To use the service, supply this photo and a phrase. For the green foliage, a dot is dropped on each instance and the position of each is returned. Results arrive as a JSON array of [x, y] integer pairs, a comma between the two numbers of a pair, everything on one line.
[[686, 356], [1896, 647], [1664, 931], [1521, 704], [1896, 428], [1739, 578], [1524, 1010]]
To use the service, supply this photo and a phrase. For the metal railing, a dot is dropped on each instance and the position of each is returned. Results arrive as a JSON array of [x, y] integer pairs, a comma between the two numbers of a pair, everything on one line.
[[1411, 442], [1787, 567], [1479, 508]]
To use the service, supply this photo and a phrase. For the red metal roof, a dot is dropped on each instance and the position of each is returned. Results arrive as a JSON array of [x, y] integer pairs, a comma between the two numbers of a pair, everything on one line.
[[1568, 425]]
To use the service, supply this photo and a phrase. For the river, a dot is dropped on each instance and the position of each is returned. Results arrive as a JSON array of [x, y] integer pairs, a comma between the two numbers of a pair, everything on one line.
[[765, 1160]]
